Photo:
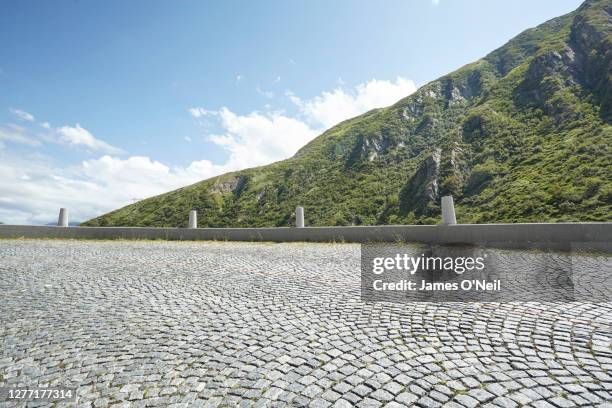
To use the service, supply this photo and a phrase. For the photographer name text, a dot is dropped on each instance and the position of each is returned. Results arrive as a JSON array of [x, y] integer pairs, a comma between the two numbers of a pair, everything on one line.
[[464, 285]]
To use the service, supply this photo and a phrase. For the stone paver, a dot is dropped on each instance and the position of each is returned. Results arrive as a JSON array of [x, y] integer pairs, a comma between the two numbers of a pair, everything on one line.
[[242, 324]]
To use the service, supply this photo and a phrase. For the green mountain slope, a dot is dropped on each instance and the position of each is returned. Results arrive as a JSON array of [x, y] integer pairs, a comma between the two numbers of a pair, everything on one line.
[[521, 135]]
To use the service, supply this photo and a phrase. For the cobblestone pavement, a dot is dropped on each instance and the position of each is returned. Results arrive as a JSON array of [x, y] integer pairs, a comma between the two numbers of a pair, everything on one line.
[[237, 324]]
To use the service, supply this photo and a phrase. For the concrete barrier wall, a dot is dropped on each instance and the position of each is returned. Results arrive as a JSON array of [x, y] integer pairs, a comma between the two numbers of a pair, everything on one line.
[[556, 236]]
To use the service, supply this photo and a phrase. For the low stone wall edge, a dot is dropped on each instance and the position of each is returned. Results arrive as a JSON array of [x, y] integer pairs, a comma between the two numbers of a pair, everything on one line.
[[561, 235]]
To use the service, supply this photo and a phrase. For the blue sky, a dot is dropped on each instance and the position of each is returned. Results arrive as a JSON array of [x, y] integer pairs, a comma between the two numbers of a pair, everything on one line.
[[102, 103]]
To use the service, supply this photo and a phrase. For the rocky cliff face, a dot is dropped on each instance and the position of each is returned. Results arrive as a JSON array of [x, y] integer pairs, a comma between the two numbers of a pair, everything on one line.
[[422, 189], [592, 43], [522, 134]]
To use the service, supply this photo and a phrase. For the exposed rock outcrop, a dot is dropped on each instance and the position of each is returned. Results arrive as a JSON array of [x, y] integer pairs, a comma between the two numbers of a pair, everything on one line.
[[422, 188], [226, 185]]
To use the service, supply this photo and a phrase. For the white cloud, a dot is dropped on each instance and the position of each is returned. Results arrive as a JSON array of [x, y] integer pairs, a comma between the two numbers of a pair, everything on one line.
[[332, 107], [264, 93], [79, 136], [32, 189], [142, 176], [239, 78], [256, 138], [293, 98], [68, 135], [17, 134], [22, 115], [187, 139], [435, 2], [200, 112]]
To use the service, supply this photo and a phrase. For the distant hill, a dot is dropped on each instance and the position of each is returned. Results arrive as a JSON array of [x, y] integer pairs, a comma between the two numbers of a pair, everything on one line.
[[520, 135]]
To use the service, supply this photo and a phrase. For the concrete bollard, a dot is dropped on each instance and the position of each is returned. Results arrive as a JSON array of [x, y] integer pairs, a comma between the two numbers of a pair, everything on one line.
[[448, 211], [62, 221], [193, 219], [299, 217]]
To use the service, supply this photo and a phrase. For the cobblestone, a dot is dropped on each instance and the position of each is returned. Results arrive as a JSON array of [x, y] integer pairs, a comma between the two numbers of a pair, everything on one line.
[[242, 324]]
